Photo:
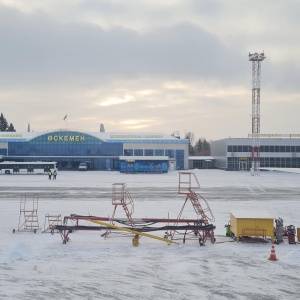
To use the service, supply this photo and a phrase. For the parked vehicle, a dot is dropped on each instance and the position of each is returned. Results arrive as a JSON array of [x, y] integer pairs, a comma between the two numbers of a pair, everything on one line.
[[83, 167], [29, 167]]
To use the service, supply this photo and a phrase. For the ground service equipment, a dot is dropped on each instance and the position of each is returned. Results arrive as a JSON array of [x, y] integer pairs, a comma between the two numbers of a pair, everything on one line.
[[174, 228]]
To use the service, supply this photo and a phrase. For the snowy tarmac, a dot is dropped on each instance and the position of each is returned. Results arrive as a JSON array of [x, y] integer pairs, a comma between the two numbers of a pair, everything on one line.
[[39, 266]]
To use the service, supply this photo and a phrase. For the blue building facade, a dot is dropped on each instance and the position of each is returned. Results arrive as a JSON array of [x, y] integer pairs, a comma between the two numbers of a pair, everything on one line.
[[100, 150]]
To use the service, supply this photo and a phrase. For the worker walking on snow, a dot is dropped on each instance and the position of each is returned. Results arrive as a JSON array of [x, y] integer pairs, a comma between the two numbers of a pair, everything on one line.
[[54, 174], [49, 174]]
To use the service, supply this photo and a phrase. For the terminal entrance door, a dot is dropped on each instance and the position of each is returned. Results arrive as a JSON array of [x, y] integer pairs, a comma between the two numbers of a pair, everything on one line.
[[243, 166]]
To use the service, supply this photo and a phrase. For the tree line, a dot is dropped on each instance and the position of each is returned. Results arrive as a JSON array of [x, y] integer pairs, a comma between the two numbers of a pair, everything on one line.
[[200, 148], [4, 126]]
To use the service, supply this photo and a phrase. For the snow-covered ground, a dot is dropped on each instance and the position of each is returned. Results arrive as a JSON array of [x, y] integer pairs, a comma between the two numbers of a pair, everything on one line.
[[39, 266]]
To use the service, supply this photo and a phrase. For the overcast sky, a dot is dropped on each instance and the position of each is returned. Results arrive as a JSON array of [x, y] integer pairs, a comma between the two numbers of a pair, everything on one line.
[[149, 66]]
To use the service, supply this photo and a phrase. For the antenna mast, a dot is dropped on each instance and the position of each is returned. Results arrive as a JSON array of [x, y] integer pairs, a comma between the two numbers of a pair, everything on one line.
[[256, 59]]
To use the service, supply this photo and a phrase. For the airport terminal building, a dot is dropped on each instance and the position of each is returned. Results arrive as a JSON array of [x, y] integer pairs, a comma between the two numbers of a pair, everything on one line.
[[276, 151], [126, 152]]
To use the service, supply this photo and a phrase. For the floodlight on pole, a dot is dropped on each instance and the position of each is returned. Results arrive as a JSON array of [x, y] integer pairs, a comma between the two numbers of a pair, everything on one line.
[[256, 59]]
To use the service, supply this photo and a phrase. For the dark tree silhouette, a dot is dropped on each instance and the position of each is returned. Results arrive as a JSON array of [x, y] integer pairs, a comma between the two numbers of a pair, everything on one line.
[[11, 127], [4, 124], [202, 147]]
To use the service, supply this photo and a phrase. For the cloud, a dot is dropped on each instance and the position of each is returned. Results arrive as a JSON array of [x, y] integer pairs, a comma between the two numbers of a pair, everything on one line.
[[36, 49], [131, 124], [116, 101], [166, 65]]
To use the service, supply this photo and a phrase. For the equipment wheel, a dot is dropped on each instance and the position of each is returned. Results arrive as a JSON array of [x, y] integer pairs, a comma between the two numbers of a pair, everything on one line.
[[201, 243], [135, 240]]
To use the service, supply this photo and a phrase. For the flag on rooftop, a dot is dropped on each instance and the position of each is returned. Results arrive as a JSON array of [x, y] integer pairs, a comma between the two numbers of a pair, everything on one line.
[[65, 117]]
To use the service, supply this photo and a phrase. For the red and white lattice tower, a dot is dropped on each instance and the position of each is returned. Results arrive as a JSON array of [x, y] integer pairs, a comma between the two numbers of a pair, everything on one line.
[[256, 59]]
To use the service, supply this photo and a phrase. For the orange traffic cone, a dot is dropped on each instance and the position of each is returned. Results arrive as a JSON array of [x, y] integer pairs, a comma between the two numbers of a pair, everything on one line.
[[273, 255]]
